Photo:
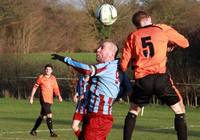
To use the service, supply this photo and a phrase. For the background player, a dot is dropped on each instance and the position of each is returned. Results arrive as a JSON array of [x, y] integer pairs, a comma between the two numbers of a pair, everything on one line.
[[48, 86], [148, 47], [81, 99]]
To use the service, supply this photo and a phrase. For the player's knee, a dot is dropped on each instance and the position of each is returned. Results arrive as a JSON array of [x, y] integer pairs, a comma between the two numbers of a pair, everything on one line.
[[134, 109], [74, 127], [49, 115], [178, 108]]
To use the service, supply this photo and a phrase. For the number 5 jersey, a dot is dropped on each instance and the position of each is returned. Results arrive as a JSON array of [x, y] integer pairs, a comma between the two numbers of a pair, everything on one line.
[[147, 47]]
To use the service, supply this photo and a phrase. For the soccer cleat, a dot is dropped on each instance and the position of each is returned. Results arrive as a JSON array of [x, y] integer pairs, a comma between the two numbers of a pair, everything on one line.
[[53, 135], [33, 133]]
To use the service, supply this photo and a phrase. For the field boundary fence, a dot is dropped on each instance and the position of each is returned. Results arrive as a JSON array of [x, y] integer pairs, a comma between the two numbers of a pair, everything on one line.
[[20, 88]]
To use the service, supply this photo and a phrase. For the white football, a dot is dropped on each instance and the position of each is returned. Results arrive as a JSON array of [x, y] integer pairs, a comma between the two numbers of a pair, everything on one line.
[[106, 14]]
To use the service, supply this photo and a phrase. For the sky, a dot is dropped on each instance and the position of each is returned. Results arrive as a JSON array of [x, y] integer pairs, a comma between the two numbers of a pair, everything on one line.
[[76, 3]]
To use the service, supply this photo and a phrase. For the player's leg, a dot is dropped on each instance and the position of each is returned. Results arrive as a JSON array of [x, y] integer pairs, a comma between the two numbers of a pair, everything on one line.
[[49, 121], [178, 107], [38, 122], [171, 96], [142, 91], [180, 120], [77, 118], [130, 121], [75, 127]]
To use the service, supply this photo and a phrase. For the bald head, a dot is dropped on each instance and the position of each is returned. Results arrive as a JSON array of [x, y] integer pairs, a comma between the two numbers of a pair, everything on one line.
[[111, 46], [106, 52]]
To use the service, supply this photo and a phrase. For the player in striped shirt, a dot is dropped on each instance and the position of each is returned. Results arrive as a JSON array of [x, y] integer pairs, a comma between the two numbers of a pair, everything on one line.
[[104, 89], [148, 47], [81, 99]]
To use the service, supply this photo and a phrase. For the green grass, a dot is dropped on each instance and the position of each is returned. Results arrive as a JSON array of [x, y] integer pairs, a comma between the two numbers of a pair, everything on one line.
[[17, 118]]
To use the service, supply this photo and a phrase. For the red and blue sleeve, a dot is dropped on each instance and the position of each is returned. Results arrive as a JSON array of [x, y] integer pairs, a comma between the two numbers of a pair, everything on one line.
[[84, 68]]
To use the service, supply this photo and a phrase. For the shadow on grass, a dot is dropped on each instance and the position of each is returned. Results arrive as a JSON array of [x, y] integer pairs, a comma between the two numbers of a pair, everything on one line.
[[159, 130]]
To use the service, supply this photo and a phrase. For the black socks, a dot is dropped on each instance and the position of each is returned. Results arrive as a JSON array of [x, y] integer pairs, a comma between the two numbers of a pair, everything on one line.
[[129, 126], [37, 123], [50, 125], [180, 126]]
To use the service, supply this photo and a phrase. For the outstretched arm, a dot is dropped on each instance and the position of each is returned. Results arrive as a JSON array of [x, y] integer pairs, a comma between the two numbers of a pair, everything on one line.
[[80, 67]]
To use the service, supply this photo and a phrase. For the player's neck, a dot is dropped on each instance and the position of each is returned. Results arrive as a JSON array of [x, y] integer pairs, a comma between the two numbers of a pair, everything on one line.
[[47, 76], [146, 22]]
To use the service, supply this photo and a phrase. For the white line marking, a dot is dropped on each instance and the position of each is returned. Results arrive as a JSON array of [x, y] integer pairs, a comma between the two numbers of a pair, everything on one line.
[[168, 128], [69, 129], [18, 132]]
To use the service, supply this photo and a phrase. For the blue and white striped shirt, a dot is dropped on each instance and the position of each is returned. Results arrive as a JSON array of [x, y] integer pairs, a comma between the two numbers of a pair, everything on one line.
[[104, 84]]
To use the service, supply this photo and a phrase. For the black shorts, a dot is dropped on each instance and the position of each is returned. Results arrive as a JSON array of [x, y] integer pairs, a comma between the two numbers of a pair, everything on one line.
[[45, 108], [160, 85]]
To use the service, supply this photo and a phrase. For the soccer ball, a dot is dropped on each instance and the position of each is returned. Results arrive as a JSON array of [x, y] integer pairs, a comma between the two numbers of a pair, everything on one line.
[[106, 14]]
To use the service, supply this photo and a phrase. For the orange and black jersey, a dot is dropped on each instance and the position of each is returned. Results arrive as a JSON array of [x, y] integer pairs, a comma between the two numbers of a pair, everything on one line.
[[48, 87], [148, 47]]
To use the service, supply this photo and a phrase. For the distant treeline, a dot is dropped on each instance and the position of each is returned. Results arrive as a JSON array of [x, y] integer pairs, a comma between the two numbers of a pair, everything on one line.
[[32, 26]]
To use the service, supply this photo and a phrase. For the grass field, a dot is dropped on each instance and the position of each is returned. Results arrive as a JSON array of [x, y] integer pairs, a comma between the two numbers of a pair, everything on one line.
[[17, 118]]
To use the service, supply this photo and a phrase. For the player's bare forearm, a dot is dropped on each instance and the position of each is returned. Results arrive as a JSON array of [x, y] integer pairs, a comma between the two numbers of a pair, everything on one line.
[[32, 95]]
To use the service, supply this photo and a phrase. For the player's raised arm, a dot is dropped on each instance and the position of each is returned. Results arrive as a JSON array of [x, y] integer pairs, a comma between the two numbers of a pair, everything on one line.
[[175, 38], [80, 67]]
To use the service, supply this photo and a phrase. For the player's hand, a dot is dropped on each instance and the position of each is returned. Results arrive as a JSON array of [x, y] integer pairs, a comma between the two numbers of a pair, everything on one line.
[[57, 57], [60, 99], [31, 100]]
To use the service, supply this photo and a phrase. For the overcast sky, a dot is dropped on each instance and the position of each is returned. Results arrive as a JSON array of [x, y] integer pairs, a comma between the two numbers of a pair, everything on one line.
[[76, 3]]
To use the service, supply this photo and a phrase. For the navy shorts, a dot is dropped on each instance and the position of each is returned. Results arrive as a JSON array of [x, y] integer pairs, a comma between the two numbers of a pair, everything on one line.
[[45, 108], [160, 85]]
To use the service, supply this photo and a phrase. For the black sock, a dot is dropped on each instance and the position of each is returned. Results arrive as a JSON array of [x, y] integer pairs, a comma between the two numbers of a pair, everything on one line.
[[129, 126], [37, 123], [180, 126], [50, 125]]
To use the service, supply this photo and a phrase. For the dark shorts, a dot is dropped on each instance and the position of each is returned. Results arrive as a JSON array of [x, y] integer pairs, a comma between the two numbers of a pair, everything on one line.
[[45, 108], [160, 85]]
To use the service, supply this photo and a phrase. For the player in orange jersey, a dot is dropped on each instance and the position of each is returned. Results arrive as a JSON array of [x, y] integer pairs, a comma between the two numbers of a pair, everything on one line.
[[147, 47], [48, 87]]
